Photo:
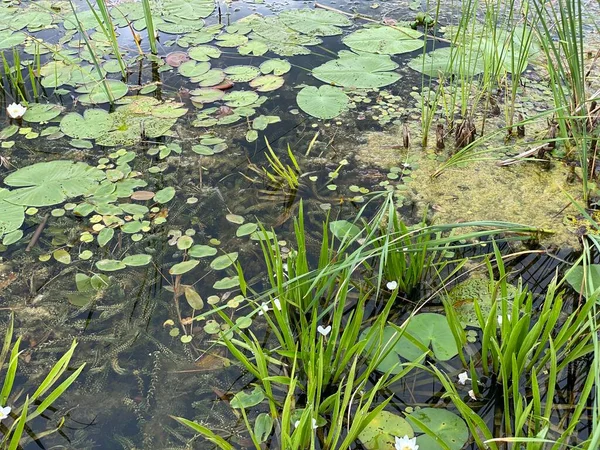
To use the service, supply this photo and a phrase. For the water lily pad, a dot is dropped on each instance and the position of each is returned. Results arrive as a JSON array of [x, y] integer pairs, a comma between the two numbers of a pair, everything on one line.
[[204, 52], [110, 265], [246, 229], [325, 102], [342, 229], [227, 283], [241, 74], [193, 298], [39, 112], [380, 433], [358, 71], [11, 215], [449, 60], [449, 428], [231, 40], [211, 78], [93, 124], [275, 66], [102, 92], [183, 267], [267, 83], [202, 251], [50, 183], [575, 278], [431, 330], [165, 195], [223, 261], [193, 69], [206, 95], [243, 400], [385, 40], [240, 98], [254, 47], [317, 22], [137, 260]]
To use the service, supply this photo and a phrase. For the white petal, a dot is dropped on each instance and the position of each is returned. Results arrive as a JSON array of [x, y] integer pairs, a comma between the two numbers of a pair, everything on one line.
[[277, 304], [472, 394], [314, 424], [391, 285], [324, 330], [463, 377]]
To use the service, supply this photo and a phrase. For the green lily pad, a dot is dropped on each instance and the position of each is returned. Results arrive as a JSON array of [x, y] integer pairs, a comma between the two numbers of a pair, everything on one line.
[[449, 428], [93, 124], [575, 278], [39, 112], [358, 71], [342, 229], [165, 195], [241, 74], [325, 102], [317, 22], [192, 69], [224, 261], [243, 400], [275, 66], [380, 433], [231, 40], [254, 47], [11, 215], [431, 330], [211, 78], [110, 265], [204, 53], [449, 61], [202, 251], [385, 40], [240, 98], [102, 92], [183, 267], [227, 283], [267, 83], [206, 95], [137, 260], [50, 183]]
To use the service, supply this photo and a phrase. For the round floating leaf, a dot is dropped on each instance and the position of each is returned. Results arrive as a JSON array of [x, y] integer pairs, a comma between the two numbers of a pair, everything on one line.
[[62, 256], [206, 95], [276, 66], [240, 98], [211, 78], [231, 40], [449, 428], [224, 261], [102, 92], [267, 83], [50, 183], [165, 195], [380, 433], [11, 215], [241, 74], [234, 218], [575, 278], [447, 61], [246, 229], [12, 237], [227, 283], [254, 47], [431, 330], [37, 112], [358, 71], [93, 124], [110, 265], [342, 229], [325, 102], [201, 251], [185, 242], [204, 52], [8, 39], [193, 69], [251, 135], [105, 235], [385, 40], [317, 22], [243, 400], [183, 267], [137, 260]]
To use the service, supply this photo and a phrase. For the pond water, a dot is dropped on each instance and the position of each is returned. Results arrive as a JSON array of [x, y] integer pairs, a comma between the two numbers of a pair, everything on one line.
[[129, 192]]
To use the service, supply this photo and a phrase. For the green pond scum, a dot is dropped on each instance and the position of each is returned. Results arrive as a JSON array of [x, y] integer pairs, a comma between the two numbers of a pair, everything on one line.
[[299, 225]]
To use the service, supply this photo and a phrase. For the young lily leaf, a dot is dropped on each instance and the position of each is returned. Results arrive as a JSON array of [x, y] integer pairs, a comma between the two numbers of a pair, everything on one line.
[[137, 260], [267, 83], [201, 251], [240, 98], [317, 22], [110, 265], [325, 102], [193, 298], [223, 261], [204, 53], [241, 74], [255, 47], [276, 66], [183, 267], [227, 283], [165, 195]]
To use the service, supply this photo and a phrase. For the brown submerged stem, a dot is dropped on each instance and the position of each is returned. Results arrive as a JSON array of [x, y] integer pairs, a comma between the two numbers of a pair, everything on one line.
[[37, 234]]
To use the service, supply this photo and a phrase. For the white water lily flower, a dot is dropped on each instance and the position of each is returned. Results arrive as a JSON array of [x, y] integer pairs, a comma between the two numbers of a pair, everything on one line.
[[16, 110], [463, 377], [406, 443], [4, 412], [391, 285], [264, 307]]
